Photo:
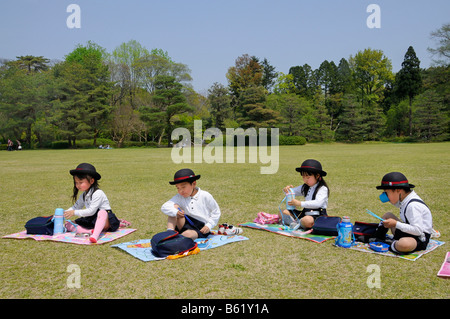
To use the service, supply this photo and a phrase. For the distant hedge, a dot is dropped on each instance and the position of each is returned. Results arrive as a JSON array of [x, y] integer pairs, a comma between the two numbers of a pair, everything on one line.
[[292, 140]]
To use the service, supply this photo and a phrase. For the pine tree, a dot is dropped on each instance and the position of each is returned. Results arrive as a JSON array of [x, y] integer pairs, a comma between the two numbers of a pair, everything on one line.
[[316, 121], [169, 101], [353, 127], [220, 102], [431, 119], [253, 110], [83, 92], [408, 80]]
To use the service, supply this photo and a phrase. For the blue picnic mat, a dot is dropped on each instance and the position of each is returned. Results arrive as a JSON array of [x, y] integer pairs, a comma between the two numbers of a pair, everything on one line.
[[285, 231], [432, 245], [141, 249]]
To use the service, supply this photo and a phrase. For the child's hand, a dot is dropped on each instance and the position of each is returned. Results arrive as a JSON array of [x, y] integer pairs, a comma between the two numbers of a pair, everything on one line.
[[68, 214], [295, 202], [205, 230], [390, 223], [180, 212], [286, 189]]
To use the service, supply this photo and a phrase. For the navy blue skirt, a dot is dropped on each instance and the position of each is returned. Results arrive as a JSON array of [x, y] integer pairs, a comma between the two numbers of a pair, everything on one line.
[[88, 222]]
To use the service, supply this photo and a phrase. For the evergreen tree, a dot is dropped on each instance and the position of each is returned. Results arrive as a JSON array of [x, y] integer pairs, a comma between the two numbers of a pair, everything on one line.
[[344, 77], [304, 80], [291, 107], [23, 99], [408, 80], [315, 123], [32, 63], [253, 111], [168, 100], [431, 119], [353, 127], [269, 75], [328, 78], [83, 93], [397, 119], [220, 103], [374, 120]]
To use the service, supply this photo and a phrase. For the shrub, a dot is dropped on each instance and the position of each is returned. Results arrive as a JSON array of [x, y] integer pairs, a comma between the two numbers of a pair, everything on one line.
[[292, 140]]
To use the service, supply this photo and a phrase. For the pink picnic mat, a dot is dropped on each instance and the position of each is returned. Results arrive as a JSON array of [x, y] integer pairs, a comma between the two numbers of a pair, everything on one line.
[[69, 237], [445, 268]]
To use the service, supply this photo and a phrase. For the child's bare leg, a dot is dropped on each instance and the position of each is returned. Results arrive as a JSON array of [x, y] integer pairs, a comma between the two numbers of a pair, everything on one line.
[[177, 222], [180, 222], [286, 212], [190, 234], [171, 222], [405, 244], [286, 217], [307, 222]]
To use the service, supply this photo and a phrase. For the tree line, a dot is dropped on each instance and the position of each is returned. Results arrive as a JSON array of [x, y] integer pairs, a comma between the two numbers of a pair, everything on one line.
[[133, 95]]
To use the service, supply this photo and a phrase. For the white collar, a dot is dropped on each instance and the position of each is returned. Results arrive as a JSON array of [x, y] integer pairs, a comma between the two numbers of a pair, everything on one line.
[[407, 198], [196, 194]]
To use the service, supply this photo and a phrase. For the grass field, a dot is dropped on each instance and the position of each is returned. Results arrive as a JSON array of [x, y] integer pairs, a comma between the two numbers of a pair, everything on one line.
[[34, 183]]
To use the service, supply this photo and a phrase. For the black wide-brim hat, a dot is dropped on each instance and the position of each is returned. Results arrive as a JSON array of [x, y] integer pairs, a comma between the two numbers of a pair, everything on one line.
[[85, 169], [184, 175], [311, 166], [394, 180]]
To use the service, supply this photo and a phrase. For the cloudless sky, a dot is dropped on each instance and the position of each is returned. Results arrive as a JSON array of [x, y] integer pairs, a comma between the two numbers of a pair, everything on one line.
[[208, 35]]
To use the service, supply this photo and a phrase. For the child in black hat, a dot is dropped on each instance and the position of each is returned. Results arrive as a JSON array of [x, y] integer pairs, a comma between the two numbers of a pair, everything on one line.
[[316, 192], [192, 212], [97, 215], [413, 229]]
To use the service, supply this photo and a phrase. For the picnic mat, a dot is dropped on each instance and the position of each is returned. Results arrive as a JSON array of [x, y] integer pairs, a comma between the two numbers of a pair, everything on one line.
[[445, 268], [69, 237], [432, 245], [281, 230], [141, 249]]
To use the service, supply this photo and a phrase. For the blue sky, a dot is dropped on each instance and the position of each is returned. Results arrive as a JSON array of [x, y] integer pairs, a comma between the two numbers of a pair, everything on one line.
[[208, 35]]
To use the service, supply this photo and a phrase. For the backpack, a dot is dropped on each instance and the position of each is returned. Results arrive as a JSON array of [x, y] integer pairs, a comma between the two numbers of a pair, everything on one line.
[[326, 225], [170, 242], [364, 231], [40, 226]]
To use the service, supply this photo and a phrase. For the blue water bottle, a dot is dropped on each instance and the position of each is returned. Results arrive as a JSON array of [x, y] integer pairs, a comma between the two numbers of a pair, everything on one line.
[[345, 233], [58, 221], [289, 197]]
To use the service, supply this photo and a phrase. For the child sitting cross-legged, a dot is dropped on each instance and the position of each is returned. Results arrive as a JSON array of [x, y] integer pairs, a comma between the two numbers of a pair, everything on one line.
[[315, 191], [192, 212], [412, 231]]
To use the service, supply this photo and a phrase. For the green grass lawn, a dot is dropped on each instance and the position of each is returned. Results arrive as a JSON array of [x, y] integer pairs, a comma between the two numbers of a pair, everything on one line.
[[34, 183]]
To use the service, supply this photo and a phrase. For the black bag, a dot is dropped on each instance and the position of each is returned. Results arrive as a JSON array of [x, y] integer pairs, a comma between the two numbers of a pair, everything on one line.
[[170, 242], [326, 225], [40, 226], [364, 231]]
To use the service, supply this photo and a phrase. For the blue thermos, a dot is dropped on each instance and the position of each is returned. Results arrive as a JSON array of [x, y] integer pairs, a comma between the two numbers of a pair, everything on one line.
[[289, 197], [58, 221], [345, 233]]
